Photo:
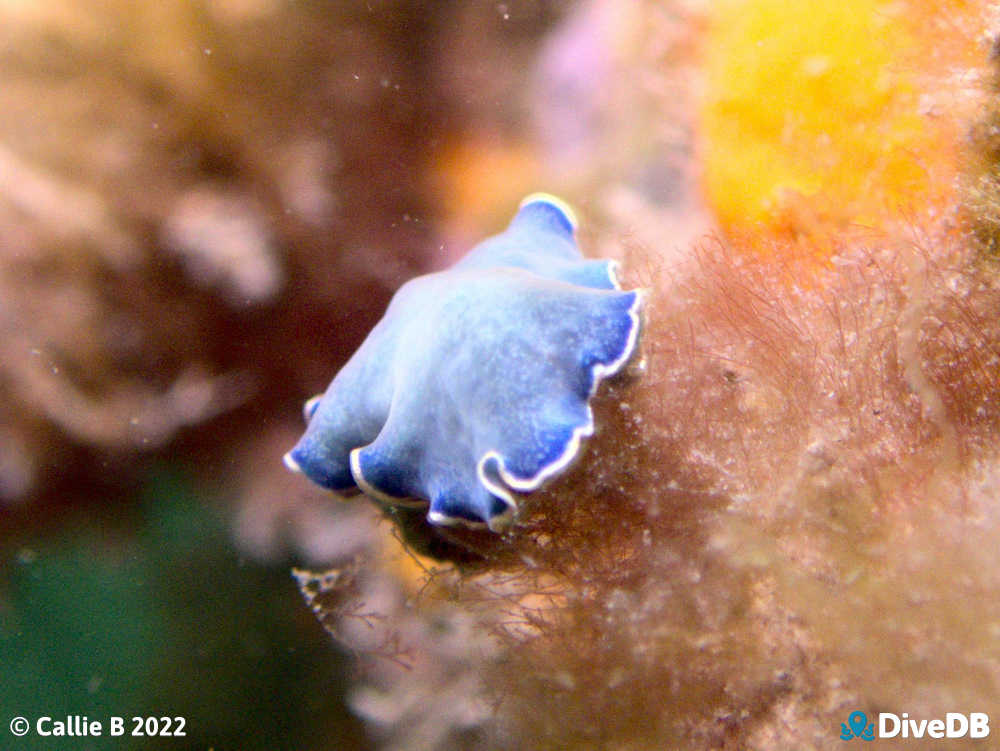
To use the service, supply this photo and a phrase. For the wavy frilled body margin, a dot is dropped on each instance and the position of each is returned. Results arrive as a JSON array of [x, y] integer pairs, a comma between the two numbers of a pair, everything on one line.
[[477, 381]]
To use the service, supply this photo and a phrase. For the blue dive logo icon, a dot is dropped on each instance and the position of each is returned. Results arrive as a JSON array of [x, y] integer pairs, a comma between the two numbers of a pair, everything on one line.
[[857, 727]]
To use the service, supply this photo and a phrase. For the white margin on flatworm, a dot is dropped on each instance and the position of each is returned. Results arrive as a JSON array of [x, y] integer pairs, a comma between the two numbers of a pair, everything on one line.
[[552, 200]]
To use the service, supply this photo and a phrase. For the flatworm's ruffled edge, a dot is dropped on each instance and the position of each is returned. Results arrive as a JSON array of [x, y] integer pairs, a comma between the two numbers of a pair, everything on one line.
[[599, 372], [555, 201], [291, 463], [376, 493], [613, 267], [309, 408], [342, 494]]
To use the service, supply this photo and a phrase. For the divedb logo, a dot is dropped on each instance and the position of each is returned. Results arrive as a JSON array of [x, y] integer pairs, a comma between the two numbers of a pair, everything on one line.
[[889, 725]]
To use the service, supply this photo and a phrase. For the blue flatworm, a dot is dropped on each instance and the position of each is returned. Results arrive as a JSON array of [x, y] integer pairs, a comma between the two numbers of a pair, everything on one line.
[[476, 383]]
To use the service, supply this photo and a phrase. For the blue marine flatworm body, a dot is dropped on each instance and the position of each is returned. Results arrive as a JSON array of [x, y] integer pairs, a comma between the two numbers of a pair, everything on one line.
[[476, 382]]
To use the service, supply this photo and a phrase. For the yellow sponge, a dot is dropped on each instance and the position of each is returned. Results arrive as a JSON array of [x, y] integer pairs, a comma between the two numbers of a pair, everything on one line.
[[816, 113]]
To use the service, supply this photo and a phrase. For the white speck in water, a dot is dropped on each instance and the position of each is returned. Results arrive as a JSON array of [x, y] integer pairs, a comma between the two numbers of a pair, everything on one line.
[[208, 50], [504, 11]]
